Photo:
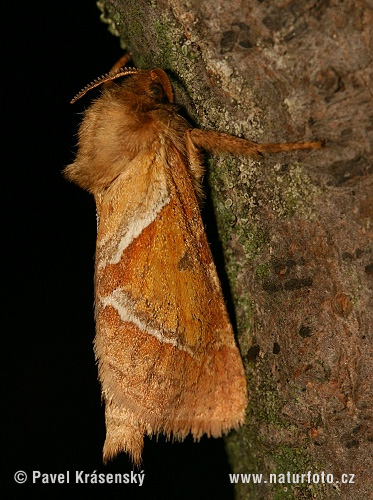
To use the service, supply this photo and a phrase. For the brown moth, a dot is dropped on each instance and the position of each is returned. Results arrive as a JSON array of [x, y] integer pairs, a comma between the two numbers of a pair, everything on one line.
[[167, 358]]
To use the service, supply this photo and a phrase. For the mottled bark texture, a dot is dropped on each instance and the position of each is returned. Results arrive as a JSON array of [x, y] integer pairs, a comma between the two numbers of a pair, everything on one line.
[[295, 228]]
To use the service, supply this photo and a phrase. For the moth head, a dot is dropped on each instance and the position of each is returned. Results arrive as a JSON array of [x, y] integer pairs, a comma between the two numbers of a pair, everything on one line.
[[155, 84], [120, 124]]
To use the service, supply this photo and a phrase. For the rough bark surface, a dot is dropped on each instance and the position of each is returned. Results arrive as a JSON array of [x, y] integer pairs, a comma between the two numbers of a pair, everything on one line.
[[295, 228]]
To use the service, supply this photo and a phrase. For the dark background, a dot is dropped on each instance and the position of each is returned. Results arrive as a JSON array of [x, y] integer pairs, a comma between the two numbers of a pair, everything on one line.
[[54, 419]]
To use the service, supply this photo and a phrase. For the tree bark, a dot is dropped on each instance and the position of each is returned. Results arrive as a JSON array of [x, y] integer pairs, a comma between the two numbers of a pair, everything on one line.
[[295, 228]]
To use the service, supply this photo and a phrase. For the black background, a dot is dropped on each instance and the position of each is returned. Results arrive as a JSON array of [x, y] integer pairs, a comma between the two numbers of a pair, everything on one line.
[[54, 419]]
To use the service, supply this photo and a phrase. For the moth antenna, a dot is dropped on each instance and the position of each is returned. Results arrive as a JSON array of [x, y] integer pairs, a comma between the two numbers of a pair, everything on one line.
[[104, 78]]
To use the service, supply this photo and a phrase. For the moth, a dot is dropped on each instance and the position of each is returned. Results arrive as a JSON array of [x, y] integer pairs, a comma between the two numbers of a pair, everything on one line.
[[167, 358]]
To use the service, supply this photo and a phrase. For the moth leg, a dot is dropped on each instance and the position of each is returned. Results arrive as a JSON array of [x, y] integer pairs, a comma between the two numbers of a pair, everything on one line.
[[195, 162], [119, 64], [218, 142]]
